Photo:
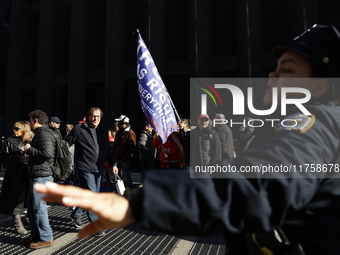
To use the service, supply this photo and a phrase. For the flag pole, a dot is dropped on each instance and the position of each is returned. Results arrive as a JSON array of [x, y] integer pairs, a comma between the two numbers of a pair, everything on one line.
[[172, 104]]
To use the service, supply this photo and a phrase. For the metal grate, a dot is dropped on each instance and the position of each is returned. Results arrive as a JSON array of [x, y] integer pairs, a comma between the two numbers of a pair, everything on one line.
[[209, 245], [125, 241], [10, 240], [129, 240]]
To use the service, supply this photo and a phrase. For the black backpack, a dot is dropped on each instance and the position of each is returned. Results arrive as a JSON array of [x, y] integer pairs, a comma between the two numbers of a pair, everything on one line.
[[62, 159]]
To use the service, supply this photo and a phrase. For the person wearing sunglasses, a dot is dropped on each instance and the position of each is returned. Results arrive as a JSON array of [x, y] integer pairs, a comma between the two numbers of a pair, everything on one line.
[[16, 182], [55, 125]]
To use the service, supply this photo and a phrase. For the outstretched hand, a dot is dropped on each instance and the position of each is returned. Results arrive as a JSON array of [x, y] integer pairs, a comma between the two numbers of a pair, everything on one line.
[[113, 210]]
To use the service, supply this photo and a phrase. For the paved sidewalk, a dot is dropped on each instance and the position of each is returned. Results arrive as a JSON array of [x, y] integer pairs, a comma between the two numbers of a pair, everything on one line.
[[128, 240]]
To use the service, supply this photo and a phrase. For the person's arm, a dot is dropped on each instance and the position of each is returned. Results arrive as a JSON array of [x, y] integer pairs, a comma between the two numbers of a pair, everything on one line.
[[47, 143], [234, 206], [178, 204], [113, 210], [6, 156], [208, 207], [239, 205]]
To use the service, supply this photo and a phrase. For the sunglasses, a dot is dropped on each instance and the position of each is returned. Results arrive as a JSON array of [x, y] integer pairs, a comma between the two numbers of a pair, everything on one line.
[[16, 128]]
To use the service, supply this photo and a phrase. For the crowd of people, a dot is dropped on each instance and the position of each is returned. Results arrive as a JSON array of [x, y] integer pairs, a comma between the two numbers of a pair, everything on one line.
[[294, 214], [95, 152]]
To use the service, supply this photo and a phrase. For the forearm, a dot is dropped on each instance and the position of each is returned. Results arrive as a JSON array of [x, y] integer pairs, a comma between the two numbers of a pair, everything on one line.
[[210, 206]]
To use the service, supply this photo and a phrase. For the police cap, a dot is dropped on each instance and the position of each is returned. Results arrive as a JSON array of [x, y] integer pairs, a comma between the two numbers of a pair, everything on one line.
[[321, 45]]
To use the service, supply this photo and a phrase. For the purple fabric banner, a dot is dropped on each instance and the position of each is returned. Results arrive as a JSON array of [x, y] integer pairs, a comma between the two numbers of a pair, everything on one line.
[[154, 97]]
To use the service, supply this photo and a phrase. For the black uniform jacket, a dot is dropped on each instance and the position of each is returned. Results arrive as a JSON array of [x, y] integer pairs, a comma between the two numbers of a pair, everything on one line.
[[85, 148], [306, 205]]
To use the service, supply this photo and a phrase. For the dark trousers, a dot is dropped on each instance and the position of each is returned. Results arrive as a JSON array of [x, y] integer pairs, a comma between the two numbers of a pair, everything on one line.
[[124, 172]]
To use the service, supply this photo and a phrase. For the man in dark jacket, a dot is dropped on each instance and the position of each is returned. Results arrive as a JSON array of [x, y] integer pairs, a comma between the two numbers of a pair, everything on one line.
[[92, 150], [41, 158], [146, 150]]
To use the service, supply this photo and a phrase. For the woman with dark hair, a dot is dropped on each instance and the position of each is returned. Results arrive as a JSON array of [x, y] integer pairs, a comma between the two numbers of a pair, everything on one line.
[[16, 182]]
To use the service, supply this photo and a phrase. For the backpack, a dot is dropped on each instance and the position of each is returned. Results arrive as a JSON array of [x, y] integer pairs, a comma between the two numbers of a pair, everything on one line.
[[62, 160]]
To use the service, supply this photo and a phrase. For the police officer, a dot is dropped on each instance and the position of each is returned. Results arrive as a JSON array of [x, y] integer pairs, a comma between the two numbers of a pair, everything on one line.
[[275, 215]]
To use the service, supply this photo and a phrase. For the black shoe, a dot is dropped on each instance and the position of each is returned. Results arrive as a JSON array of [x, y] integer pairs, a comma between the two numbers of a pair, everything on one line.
[[29, 240], [77, 222], [100, 233]]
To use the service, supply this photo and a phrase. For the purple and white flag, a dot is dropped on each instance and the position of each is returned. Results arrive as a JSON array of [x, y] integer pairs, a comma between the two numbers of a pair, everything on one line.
[[155, 101]]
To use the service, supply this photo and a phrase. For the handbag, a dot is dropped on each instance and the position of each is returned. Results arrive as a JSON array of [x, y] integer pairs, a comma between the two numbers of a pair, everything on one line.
[[120, 187]]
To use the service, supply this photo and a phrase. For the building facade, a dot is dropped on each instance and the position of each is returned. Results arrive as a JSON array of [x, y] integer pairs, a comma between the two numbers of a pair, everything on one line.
[[64, 56]]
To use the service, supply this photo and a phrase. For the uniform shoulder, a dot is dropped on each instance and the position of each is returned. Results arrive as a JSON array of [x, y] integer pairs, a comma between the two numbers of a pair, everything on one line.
[[321, 115]]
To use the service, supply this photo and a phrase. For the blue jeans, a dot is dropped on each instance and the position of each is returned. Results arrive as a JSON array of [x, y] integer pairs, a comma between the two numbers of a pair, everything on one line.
[[124, 172], [37, 212], [91, 181]]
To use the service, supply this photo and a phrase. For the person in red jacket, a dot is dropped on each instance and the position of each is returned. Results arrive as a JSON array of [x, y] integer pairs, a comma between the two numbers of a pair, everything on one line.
[[171, 153]]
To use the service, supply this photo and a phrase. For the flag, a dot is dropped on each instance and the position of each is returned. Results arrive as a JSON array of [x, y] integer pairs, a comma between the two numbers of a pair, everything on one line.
[[154, 98]]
